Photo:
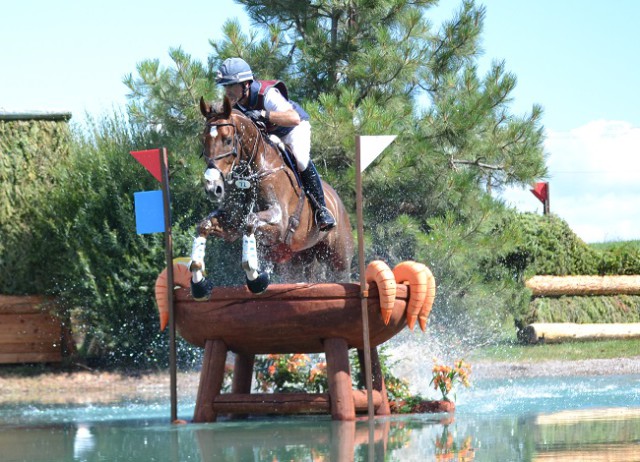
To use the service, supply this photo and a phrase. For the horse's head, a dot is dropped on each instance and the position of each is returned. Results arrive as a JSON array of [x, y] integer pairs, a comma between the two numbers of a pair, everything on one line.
[[229, 148]]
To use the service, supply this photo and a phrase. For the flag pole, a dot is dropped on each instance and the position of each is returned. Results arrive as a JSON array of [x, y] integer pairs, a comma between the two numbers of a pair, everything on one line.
[[364, 289], [168, 245]]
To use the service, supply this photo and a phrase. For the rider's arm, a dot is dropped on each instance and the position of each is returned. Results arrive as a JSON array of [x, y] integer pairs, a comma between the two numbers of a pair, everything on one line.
[[278, 110]]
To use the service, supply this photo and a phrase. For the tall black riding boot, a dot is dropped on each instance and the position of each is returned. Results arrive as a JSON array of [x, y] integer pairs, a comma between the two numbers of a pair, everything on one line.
[[313, 187]]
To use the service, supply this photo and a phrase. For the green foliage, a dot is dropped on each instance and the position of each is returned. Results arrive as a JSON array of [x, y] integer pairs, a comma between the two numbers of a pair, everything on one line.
[[82, 246], [550, 247], [585, 309], [397, 388], [618, 258], [31, 156]]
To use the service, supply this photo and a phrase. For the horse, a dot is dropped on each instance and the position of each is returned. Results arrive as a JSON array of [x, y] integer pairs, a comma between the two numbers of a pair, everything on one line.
[[259, 198]]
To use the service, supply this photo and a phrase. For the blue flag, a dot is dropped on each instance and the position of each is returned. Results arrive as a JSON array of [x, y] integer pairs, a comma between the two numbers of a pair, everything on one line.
[[149, 212]]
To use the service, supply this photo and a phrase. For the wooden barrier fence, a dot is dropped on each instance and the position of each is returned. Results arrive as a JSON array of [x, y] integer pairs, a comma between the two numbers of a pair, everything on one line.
[[29, 334]]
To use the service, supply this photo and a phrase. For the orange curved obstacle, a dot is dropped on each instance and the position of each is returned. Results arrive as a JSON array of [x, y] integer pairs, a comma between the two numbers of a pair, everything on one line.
[[297, 318], [287, 318]]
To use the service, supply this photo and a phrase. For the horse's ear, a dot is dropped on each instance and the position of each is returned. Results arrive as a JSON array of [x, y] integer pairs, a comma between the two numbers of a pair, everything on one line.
[[227, 108], [205, 108]]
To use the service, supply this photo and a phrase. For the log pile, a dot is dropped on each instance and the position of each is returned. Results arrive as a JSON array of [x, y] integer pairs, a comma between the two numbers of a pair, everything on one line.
[[559, 286], [567, 331], [554, 286]]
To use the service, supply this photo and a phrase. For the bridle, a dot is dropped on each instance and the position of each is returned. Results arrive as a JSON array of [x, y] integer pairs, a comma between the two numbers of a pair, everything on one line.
[[240, 170]]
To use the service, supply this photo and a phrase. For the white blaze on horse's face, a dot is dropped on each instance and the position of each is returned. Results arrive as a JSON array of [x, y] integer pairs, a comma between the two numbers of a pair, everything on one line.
[[213, 184]]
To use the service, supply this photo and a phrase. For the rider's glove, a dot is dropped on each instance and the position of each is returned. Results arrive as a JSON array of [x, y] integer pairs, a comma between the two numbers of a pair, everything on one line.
[[256, 116]]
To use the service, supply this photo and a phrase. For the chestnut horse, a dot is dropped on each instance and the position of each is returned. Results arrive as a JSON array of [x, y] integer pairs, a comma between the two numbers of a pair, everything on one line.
[[258, 194]]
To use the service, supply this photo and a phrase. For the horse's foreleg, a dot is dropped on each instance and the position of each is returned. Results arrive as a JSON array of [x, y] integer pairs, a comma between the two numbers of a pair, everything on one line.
[[200, 287], [257, 281]]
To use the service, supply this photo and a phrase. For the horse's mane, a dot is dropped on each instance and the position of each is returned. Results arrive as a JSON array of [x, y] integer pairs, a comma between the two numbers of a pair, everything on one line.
[[217, 110]]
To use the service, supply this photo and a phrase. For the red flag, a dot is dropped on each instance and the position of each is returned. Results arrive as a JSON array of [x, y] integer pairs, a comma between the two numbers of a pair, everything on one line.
[[150, 159], [541, 191]]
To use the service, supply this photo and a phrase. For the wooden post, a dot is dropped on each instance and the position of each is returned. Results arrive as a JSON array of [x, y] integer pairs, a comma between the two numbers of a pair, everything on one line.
[[363, 283], [211, 377], [242, 373], [378, 383], [339, 377], [242, 376], [168, 248], [343, 439]]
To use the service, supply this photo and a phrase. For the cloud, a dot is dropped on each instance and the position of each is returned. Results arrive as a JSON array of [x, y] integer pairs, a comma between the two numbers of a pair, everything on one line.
[[594, 180]]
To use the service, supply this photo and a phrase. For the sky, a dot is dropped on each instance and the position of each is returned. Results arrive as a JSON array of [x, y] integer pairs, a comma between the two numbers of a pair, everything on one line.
[[577, 59]]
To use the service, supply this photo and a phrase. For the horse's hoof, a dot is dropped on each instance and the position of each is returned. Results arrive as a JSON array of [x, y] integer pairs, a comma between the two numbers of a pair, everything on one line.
[[259, 284], [200, 291]]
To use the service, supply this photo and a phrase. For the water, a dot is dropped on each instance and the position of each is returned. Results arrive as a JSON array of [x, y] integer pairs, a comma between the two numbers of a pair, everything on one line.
[[531, 419]]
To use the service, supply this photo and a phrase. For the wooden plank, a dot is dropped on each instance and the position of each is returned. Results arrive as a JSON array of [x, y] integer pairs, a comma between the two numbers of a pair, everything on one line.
[[29, 328], [14, 304], [287, 403], [27, 333], [14, 321], [566, 331], [584, 285], [10, 358], [31, 347]]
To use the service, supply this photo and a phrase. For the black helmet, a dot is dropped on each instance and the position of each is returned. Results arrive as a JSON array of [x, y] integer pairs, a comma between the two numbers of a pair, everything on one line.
[[234, 70]]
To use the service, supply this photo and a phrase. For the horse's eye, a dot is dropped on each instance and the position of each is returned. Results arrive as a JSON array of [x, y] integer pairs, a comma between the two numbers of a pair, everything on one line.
[[228, 141]]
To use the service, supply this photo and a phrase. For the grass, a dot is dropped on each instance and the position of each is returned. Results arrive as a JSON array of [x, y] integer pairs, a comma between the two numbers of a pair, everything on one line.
[[603, 246], [570, 351]]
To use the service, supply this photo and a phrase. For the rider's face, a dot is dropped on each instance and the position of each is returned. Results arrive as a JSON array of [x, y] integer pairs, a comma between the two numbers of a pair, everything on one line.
[[233, 92]]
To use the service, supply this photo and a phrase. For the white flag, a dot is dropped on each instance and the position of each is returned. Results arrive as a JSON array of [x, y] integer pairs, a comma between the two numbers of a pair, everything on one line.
[[371, 147]]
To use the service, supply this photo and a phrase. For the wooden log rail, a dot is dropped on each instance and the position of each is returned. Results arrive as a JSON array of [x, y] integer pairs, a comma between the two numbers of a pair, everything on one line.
[[555, 286], [287, 403], [566, 331]]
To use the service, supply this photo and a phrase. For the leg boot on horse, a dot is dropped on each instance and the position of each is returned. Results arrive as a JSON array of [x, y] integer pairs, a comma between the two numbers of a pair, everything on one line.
[[313, 187]]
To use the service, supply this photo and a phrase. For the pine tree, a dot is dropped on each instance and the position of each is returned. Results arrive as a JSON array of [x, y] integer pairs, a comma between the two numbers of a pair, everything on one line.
[[366, 67]]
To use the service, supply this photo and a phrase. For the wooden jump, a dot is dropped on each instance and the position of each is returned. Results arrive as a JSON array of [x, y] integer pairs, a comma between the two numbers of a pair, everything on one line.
[[287, 318], [28, 334]]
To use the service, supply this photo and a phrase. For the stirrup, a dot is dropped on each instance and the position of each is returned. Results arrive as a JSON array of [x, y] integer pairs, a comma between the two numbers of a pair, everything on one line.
[[324, 219]]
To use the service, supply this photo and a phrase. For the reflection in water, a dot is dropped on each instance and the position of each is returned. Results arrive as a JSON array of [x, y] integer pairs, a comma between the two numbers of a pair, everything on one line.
[[300, 441], [557, 419], [611, 434], [447, 448], [83, 442]]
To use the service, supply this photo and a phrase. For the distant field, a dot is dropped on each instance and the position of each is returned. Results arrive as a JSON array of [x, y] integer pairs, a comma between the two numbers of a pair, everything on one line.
[[612, 245], [571, 351]]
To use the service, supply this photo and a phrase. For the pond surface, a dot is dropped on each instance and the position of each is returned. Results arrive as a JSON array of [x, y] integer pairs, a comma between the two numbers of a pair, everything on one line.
[[532, 419]]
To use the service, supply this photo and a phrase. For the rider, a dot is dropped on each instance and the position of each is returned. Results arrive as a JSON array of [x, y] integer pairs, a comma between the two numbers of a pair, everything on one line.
[[267, 101]]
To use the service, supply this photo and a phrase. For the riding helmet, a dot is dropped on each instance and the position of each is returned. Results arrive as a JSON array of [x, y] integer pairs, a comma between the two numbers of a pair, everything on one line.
[[234, 70]]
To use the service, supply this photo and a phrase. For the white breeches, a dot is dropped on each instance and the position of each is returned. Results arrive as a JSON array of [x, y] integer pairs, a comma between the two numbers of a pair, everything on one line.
[[299, 139]]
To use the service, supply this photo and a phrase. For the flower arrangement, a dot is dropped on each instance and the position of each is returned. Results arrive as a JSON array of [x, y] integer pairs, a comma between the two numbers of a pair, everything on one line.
[[445, 377], [291, 373]]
